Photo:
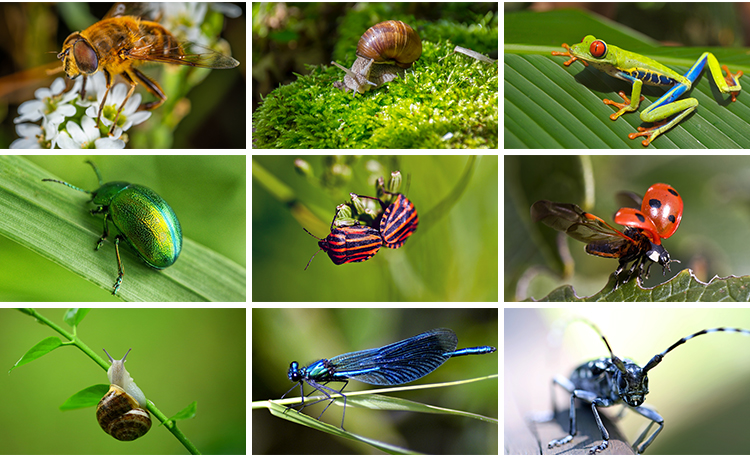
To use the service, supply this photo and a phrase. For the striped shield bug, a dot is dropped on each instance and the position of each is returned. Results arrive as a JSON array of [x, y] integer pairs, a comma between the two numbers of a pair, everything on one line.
[[399, 219], [350, 244]]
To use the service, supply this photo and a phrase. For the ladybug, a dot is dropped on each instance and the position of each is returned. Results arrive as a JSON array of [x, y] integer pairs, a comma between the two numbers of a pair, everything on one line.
[[640, 241], [660, 213]]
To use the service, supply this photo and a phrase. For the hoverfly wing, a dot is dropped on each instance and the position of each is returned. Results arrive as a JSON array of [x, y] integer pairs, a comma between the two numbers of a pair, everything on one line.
[[186, 54], [143, 10]]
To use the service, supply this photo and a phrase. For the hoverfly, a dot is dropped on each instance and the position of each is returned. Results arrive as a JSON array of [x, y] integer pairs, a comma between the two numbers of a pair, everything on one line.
[[120, 42], [639, 242]]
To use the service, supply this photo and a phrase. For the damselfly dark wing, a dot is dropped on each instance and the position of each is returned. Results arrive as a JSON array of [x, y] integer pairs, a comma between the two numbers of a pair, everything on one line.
[[399, 362]]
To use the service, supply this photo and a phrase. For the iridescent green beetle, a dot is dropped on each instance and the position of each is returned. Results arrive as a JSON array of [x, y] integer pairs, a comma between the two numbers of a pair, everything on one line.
[[143, 218]]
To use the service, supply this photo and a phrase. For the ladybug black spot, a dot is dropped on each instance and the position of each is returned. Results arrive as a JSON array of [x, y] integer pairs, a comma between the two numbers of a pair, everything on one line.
[[640, 218], [654, 203], [671, 218], [673, 192]]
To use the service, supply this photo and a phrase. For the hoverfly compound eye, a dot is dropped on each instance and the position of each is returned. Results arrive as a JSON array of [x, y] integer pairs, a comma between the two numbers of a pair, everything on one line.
[[85, 57]]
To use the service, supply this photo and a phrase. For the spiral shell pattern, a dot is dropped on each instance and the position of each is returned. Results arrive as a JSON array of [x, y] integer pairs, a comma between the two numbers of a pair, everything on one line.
[[391, 41], [120, 415]]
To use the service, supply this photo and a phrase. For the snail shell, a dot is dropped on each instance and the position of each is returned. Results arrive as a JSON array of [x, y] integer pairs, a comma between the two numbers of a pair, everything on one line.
[[383, 52], [121, 413], [390, 42]]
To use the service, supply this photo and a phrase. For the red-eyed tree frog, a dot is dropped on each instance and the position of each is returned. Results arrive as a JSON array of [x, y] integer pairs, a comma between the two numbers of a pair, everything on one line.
[[638, 70]]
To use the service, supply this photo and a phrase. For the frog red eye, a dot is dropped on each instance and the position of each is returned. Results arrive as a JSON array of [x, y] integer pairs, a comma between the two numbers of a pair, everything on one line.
[[598, 49]]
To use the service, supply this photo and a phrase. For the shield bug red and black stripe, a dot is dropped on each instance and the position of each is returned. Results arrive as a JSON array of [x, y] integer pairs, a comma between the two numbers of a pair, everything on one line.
[[350, 244], [399, 220]]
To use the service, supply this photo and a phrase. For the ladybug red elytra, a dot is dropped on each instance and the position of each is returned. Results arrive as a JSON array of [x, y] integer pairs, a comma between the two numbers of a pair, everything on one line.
[[660, 213], [640, 241]]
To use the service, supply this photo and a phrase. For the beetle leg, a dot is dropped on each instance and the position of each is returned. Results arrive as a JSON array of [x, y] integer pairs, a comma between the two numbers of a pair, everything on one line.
[[120, 272], [105, 233], [655, 419]]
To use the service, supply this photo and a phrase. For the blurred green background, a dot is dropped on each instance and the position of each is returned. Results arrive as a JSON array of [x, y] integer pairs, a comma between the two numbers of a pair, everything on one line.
[[695, 23], [179, 356], [700, 388], [281, 336], [206, 192], [452, 256], [711, 240]]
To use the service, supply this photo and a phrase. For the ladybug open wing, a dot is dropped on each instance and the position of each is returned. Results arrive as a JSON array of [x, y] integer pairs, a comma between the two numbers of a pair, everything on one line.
[[571, 219], [626, 199]]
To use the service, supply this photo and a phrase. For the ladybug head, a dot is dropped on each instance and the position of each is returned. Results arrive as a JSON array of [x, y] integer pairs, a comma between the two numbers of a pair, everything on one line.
[[660, 255]]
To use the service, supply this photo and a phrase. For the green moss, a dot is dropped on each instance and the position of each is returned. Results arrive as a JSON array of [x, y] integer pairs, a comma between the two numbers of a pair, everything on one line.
[[438, 104]]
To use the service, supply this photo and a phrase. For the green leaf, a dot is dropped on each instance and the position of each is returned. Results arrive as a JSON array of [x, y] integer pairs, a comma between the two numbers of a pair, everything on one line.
[[187, 413], [683, 287], [53, 221], [293, 415], [549, 105], [369, 400], [37, 351], [74, 316], [85, 398]]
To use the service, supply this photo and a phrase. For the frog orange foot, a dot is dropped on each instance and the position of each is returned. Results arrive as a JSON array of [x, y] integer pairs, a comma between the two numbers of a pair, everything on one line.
[[621, 106]]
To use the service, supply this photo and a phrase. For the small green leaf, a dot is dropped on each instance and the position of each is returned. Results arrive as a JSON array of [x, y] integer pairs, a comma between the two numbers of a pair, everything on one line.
[[187, 413], [74, 316], [85, 398], [39, 350]]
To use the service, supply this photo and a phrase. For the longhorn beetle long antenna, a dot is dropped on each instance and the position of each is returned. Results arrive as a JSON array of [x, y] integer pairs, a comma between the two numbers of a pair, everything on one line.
[[615, 360], [657, 359]]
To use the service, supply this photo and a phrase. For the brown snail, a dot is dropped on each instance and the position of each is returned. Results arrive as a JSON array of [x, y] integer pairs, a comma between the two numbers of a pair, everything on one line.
[[122, 412], [383, 52]]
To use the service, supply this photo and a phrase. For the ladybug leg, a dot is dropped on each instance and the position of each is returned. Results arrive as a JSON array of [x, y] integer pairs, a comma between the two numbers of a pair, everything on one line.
[[617, 273], [648, 269]]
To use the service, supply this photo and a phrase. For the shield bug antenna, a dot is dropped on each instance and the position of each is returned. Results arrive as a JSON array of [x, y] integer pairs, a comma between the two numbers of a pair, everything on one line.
[[605, 382]]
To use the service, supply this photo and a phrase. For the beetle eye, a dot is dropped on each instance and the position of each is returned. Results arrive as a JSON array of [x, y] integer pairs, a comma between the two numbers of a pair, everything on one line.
[[85, 57]]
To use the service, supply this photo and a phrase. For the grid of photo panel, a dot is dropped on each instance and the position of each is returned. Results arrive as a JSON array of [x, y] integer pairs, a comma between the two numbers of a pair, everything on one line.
[[371, 324]]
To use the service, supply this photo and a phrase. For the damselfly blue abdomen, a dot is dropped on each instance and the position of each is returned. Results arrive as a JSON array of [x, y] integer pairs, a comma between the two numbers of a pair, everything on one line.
[[394, 364]]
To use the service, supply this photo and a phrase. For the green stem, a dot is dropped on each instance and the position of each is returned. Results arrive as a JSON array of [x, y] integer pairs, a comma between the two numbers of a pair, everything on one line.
[[74, 340]]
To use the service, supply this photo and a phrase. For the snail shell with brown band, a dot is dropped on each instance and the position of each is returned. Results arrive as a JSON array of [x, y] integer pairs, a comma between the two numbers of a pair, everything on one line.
[[122, 412], [383, 52]]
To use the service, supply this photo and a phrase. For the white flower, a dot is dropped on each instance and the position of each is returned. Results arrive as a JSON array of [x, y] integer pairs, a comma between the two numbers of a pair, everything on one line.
[[129, 115], [49, 102], [86, 136], [30, 135]]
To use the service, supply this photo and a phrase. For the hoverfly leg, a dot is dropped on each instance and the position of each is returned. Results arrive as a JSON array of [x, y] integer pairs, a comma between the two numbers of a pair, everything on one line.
[[83, 88], [130, 81], [152, 87], [108, 81]]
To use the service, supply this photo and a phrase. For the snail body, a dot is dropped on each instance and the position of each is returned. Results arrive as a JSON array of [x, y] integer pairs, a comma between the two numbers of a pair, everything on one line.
[[383, 53], [122, 412]]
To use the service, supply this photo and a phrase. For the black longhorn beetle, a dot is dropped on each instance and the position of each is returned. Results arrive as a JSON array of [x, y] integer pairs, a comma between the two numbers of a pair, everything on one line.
[[605, 382]]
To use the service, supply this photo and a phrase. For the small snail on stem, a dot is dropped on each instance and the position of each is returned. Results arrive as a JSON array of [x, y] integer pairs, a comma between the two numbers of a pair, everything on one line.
[[383, 52], [122, 412]]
